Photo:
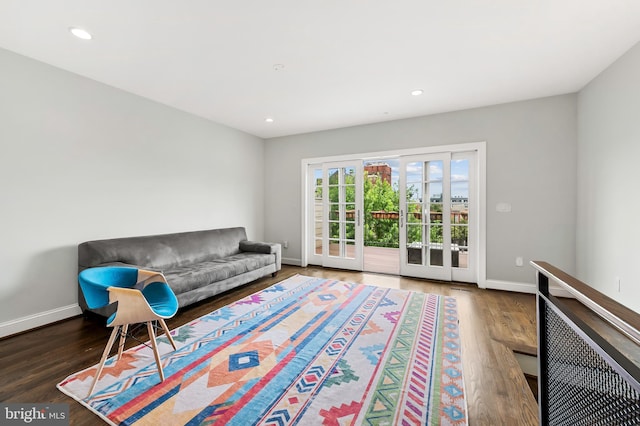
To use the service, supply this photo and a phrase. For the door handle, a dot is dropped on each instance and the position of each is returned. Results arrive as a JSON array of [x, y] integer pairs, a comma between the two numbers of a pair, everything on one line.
[[358, 217], [401, 218]]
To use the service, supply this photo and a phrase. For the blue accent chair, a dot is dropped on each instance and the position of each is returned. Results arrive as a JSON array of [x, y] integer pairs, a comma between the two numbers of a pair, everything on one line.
[[142, 297]]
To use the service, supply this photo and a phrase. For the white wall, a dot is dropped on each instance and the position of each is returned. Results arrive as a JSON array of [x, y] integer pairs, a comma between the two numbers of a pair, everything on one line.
[[531, 164], [608, 235], [81, 161]]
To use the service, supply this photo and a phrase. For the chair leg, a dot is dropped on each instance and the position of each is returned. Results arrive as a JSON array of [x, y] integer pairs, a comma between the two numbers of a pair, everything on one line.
[[123, 337], [167, 333], [105, 355], [154, 345]]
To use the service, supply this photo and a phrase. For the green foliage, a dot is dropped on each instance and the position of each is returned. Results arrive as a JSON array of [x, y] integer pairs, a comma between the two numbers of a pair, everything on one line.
[[380, 196]]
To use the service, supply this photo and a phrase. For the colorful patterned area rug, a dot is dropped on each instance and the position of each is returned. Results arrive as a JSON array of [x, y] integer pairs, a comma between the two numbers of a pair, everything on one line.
[[307, 351]]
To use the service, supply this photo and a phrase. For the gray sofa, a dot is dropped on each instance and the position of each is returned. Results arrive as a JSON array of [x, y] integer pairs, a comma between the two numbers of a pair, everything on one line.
[[197, 264]]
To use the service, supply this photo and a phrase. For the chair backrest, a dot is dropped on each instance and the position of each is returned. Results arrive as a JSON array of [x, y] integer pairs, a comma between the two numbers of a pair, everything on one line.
[[95, 281]]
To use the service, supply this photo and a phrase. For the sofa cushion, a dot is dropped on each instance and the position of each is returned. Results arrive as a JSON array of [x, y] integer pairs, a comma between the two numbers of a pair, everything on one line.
[[162, 252], [257, 247], [186, 278]]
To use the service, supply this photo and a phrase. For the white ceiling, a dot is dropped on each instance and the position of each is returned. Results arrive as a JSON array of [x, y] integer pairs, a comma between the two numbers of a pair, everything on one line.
[[346, 62]]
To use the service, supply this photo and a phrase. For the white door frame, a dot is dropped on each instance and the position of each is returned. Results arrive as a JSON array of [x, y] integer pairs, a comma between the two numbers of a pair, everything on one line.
[[481, 193], [445, 271], [342, 260], [424, 269]]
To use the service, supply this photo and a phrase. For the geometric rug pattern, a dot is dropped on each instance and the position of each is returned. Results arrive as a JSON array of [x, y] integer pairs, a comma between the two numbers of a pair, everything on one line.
[[307, 351]]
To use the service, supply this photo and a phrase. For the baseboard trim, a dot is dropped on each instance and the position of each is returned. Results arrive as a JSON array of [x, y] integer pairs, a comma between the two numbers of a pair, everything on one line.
[[291, 261], [36, 320], [525, 288]]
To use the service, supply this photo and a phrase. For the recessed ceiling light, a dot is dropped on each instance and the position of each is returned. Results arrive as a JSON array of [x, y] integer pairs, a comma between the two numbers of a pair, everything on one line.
[[80, 33], [417, 92], [268, 120]]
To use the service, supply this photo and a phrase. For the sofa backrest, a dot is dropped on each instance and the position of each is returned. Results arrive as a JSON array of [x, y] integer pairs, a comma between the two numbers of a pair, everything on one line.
[[162, 251]]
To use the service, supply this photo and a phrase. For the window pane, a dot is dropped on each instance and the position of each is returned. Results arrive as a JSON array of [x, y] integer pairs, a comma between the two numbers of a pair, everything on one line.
[[334, 230], [317, 175], [435, 191], [414, 213], [413, 192], [349, 175], [414, 186], [435, 213], [459, 215], [333, 176], [414, 234], [350, 193], [350, 231], [414, 254], [435, 169], [334, 248], [435, 256], [460, 170], [350, 250], [459, 235], [334, 194], [435, 234], [414, 172]]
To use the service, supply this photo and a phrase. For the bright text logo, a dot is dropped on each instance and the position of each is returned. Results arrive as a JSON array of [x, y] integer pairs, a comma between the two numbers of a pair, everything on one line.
[[36, 414]]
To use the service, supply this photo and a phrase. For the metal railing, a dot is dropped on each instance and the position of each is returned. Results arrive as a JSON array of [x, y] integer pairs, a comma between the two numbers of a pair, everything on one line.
[[584, 378]]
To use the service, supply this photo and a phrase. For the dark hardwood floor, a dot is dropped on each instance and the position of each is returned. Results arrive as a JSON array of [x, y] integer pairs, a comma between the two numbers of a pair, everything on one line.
[[492, 325]]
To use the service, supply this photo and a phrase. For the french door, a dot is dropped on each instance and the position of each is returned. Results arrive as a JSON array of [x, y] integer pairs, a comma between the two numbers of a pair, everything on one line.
[[438, 216], [337, 214]]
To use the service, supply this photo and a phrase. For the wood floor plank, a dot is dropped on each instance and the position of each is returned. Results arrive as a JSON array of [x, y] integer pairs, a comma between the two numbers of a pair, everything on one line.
[[492, 325]]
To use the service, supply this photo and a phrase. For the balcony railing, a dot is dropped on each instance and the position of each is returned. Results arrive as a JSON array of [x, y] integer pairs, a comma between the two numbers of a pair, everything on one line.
[[588, 365]]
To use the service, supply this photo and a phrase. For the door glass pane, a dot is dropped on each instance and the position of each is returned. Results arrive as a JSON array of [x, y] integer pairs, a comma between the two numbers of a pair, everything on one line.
[[434, 190], [349, 185], [350, 250], [334, 247], [350, 212], [350, 231], [334, 189], [414, 214], [435, 217], [414, 189], [435, 171], [433, 187], [459, 213], [414, 254], [318, 210], [435, 245], [414, 174], [435, 212], [342, 211], [334, 230]]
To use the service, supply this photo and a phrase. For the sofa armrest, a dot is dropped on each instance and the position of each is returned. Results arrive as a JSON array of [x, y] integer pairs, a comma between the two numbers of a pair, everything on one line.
[[261, 247]]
